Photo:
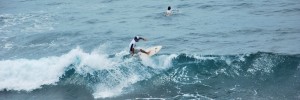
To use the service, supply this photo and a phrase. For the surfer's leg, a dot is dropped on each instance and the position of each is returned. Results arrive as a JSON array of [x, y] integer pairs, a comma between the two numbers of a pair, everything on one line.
[[143, 51], [136, 51]]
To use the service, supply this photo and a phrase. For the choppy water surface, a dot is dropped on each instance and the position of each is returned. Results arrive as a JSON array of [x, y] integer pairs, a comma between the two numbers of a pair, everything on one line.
[[76, 49]]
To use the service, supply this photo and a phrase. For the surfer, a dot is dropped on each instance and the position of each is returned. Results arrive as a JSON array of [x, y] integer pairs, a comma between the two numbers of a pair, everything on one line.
[[169, 11], [133, 44]]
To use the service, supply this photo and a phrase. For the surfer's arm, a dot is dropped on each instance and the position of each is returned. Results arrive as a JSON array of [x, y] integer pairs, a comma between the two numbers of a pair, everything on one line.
[[143, 39]]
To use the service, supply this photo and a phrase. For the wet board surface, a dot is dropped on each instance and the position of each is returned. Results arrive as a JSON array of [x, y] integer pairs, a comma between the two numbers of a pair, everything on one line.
[[153, 50]]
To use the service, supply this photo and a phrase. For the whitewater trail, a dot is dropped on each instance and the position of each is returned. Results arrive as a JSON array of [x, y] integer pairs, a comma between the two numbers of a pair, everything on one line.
[[31, 74]]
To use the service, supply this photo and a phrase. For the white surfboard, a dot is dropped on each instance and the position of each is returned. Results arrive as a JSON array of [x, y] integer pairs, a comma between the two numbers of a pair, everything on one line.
[[153, 50]]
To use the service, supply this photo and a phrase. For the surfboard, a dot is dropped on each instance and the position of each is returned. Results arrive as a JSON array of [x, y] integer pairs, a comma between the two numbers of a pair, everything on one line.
[[153, 50]]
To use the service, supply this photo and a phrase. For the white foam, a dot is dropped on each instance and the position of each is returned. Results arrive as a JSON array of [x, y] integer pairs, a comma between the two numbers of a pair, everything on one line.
[[123, 80], [166, 61], [29, 74], [93, 61], [104, 91], [201, 57], [195, 96], [263, 64], [8, 46], [26, 74], [34, 22], [159, 62]]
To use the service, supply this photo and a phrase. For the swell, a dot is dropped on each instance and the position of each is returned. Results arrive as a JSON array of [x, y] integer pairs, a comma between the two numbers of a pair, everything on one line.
[[171, 76], [246, 64], [223, 76]]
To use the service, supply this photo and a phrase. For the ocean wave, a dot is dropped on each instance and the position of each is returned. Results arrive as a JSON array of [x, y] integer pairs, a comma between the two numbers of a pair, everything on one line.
[[213, 74], [260, 63], [29, 74], [104, 74], [110, 76]]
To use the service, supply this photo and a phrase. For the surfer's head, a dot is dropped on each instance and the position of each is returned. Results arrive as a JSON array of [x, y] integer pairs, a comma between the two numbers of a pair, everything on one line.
[[169, 8], [136, 38]]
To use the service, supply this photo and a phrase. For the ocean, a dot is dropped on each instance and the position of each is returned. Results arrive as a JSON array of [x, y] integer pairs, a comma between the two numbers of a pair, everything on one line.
[[212, 50]]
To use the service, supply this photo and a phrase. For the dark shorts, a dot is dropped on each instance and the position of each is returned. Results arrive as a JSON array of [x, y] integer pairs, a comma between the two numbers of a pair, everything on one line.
[[135, 51]]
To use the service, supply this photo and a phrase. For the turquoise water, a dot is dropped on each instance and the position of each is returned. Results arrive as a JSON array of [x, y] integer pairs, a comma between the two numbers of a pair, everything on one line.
[[76, 49]]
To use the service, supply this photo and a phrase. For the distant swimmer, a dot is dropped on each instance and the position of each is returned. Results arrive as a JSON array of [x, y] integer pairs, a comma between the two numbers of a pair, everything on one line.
[[133, 44], [169, 11]]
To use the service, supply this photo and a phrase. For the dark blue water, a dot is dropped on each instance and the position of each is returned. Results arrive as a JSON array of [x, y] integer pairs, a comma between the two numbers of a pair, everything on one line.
[[75, 49]]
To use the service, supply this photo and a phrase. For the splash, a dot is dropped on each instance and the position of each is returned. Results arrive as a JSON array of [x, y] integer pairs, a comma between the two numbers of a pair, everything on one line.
[[29, 74]]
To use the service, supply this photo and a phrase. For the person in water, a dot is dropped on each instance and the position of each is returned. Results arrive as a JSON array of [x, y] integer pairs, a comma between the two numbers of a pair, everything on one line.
[[169, 11], [133, 44]]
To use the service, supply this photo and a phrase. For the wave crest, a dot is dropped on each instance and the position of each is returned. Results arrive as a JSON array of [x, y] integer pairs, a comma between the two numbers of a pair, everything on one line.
[[111, 75]]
